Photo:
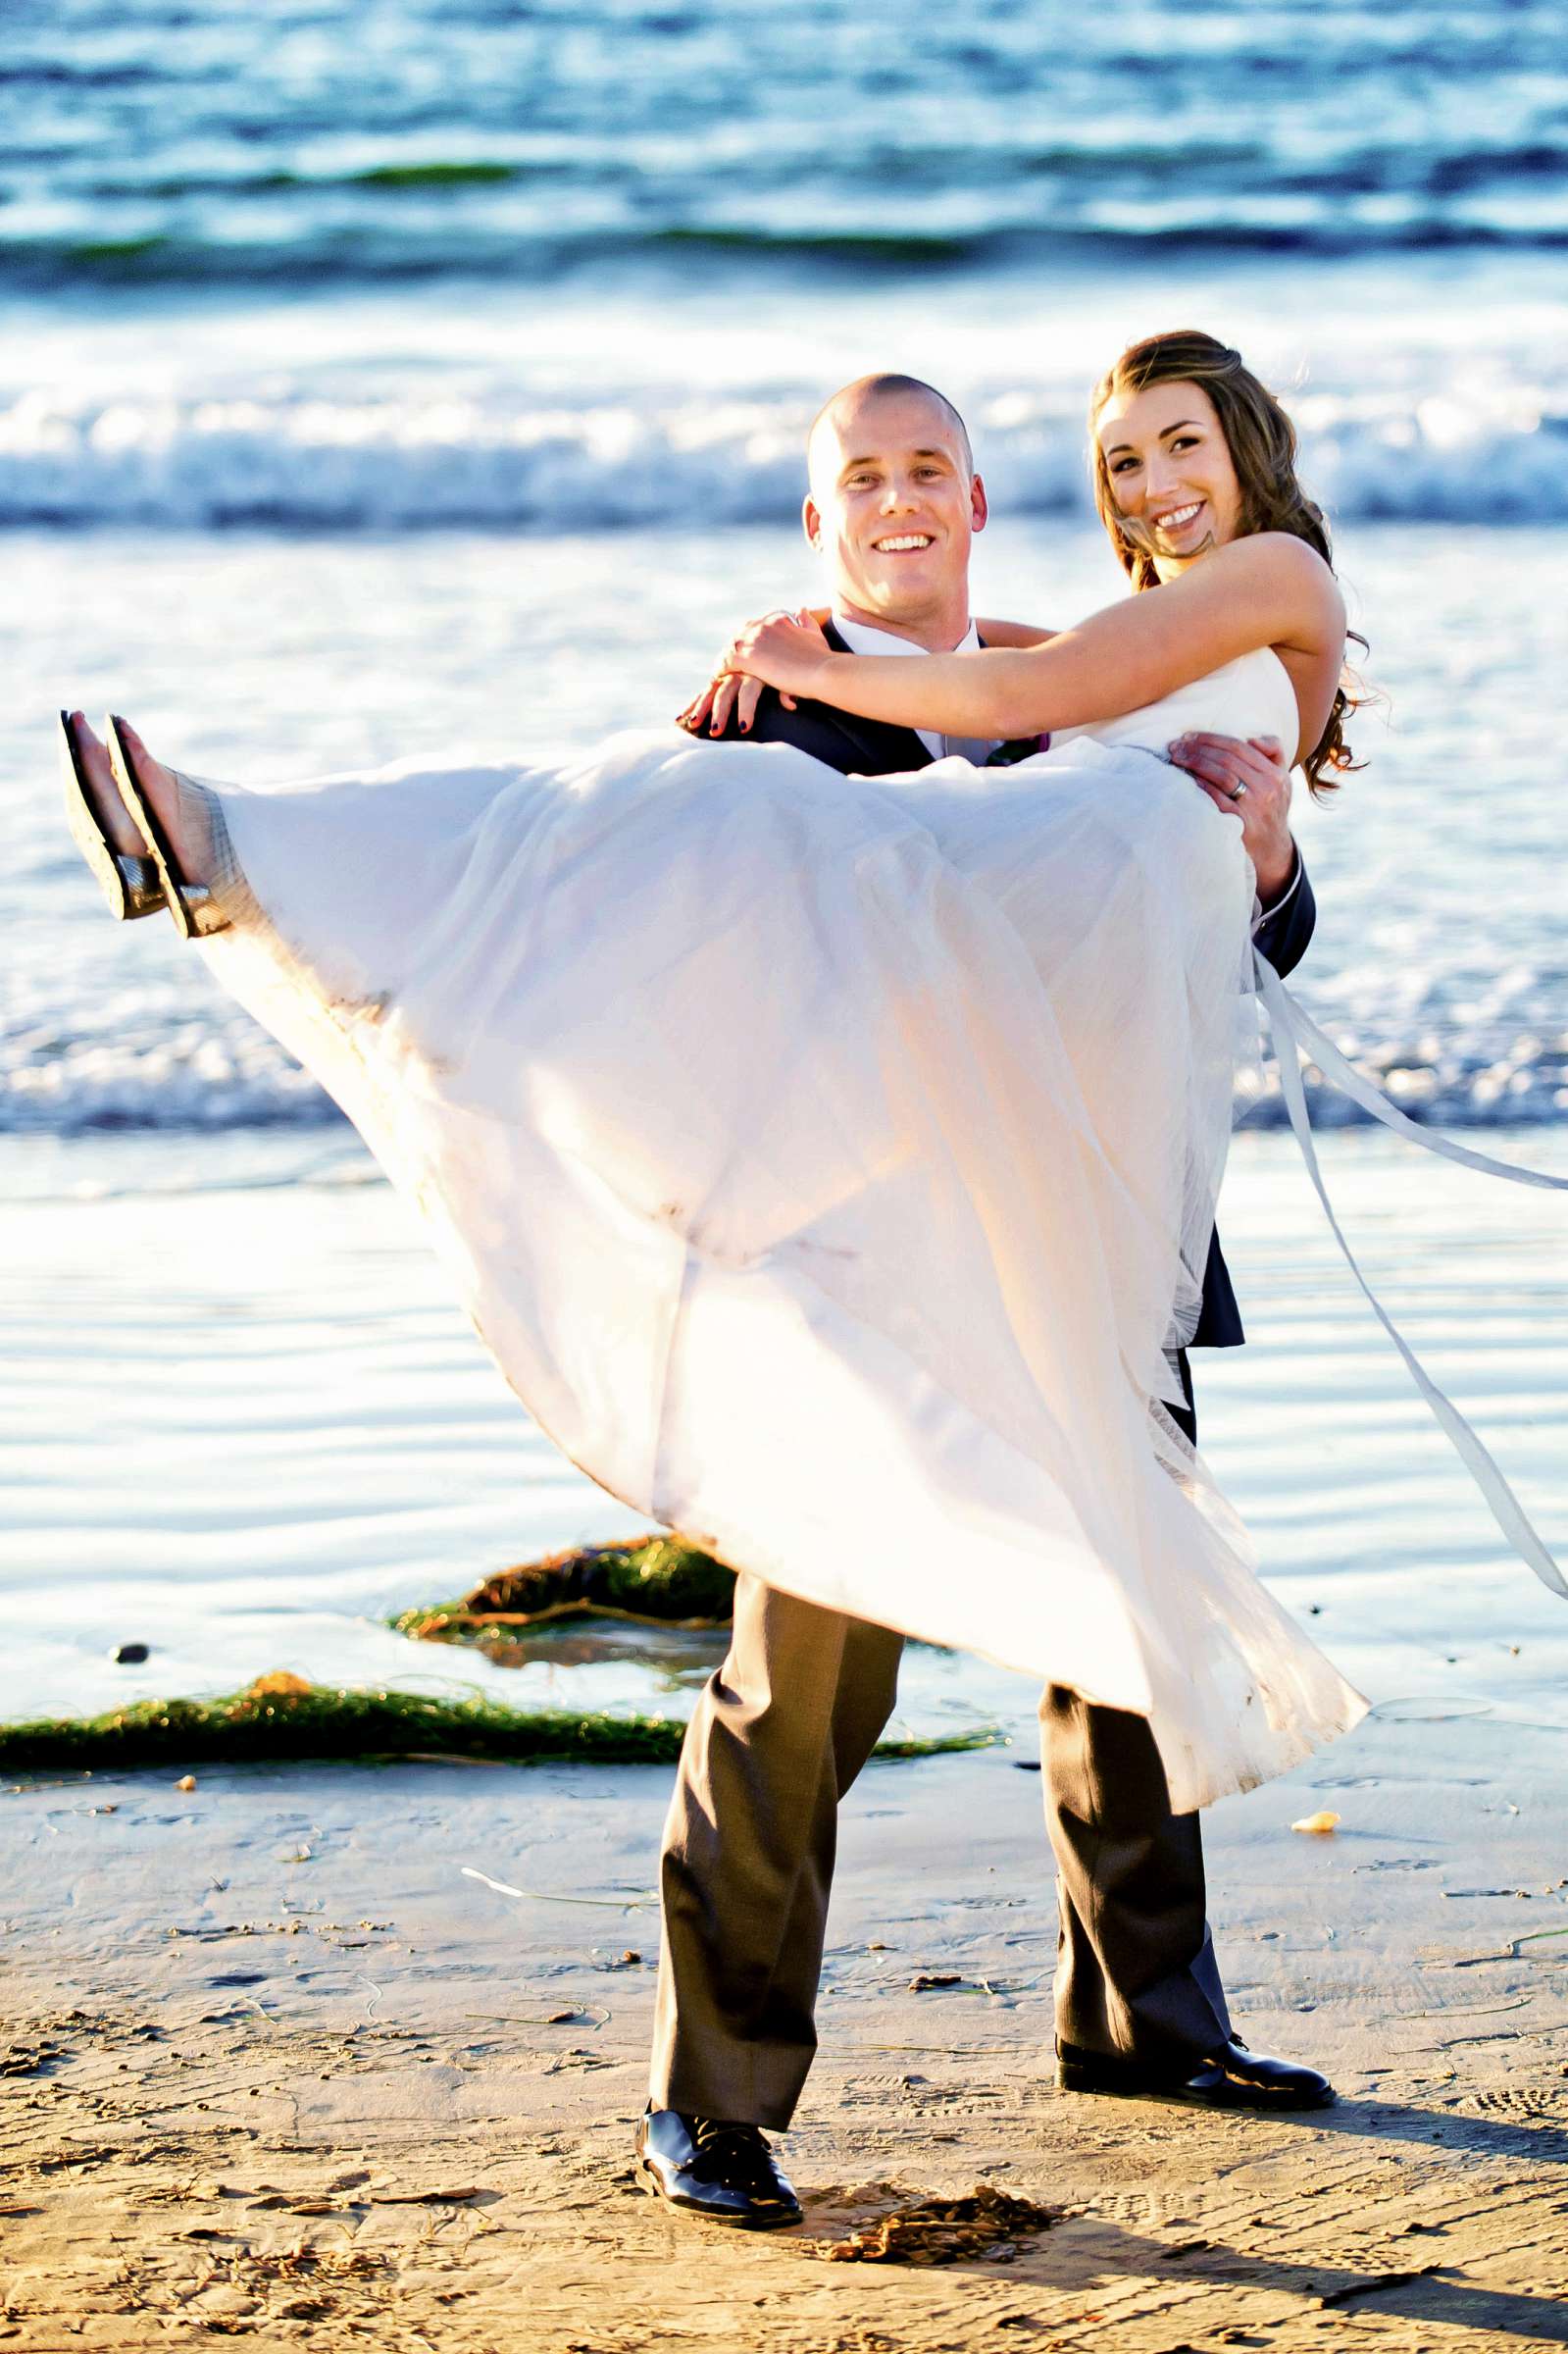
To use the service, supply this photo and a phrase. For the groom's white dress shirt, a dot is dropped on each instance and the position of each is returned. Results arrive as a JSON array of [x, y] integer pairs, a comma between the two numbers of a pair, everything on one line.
[[863, 639]]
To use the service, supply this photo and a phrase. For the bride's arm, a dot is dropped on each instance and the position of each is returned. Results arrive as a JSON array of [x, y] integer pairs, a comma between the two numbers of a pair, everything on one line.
[[1269, 589], [710, 708]]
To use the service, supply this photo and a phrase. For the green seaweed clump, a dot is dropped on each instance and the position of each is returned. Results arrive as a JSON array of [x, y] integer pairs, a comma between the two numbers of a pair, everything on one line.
[[658, 1581], [282, 1716]]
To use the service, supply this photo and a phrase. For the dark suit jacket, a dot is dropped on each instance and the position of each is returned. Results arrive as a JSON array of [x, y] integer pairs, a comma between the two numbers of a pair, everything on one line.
[[869, 747]]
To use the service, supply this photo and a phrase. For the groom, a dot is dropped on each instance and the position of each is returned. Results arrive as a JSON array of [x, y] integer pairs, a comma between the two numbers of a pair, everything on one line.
[[784, 1726]]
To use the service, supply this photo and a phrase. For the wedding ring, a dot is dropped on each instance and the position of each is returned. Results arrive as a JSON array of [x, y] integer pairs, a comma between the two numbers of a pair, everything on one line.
[[1236, 792]]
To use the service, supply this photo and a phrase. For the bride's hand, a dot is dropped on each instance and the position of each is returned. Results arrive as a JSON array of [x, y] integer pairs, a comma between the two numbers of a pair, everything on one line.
[[708, 713], [785, 650], [760, 656]]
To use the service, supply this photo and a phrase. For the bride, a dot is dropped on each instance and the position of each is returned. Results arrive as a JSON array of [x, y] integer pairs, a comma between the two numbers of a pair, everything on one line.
[[830, 1163]]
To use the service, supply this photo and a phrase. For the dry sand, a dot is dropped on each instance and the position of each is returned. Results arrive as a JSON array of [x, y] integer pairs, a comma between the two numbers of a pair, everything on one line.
[[280, 2071]]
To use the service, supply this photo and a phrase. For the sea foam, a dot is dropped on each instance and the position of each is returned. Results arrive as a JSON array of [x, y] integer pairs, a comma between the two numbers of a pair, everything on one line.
[[209, 1070], [307, 460]]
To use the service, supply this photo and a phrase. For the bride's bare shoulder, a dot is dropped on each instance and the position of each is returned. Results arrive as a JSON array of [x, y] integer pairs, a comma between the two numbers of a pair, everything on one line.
[[1290, 575], [1279, 556]]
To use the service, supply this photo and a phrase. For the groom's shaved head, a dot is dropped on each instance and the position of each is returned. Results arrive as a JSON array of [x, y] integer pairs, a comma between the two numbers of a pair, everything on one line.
[[838, 417], [893, 504]]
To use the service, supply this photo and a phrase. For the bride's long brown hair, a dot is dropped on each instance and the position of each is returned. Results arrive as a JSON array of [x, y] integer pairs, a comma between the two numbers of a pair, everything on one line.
[[1261, 441]]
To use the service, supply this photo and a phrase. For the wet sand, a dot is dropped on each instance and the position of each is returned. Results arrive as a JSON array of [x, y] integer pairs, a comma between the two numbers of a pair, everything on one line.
[[281, 2069], [278, 2069], [247, 1426]]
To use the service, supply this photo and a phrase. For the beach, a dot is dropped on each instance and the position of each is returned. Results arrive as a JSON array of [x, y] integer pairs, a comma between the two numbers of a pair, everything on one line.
[[282, 2069], [434, 384], [306, 2054]]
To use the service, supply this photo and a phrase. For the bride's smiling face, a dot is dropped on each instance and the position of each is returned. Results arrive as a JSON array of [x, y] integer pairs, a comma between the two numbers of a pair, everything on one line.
[[1171, 473], [894, 503]]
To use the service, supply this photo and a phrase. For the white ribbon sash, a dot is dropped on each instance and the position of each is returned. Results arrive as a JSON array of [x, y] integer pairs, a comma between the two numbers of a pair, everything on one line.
[[1295, 1033]]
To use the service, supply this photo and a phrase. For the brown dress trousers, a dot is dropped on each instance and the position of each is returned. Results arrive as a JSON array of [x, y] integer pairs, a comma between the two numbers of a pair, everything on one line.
[[778, 1735]]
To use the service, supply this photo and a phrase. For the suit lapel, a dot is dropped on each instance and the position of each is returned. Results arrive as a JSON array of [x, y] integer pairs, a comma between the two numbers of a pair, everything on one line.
[[882, 748]]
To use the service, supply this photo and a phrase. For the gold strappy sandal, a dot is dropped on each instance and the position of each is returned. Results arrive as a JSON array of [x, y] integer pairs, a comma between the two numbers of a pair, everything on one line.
[[191, 905], [133, 886]]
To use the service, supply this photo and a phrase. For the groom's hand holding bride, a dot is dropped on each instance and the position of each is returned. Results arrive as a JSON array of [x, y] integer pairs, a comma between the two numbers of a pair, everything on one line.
[[1252, 782]]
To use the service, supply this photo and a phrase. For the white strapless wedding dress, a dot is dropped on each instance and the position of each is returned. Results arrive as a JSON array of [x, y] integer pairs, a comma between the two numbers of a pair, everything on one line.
[[830, 1163]]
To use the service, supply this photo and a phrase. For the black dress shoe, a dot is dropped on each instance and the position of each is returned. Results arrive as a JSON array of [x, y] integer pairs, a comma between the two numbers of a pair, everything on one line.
[[706, 2167], [1227, 2077]]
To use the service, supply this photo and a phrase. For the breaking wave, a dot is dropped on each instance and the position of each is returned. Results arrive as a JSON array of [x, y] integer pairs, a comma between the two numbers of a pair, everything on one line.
[[361, 462], [210, 1070]]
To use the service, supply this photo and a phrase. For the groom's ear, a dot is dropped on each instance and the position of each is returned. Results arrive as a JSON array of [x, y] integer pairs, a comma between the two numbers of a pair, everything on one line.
[[811, 518], [979, 510]]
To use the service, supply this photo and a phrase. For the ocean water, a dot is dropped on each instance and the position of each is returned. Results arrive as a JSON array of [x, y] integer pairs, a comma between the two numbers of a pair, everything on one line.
[[436, 373]]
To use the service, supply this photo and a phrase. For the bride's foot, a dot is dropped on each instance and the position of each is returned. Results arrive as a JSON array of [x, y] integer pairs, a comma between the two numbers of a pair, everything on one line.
[[93, 760], [101, 826], [175, 808], [174, 819]]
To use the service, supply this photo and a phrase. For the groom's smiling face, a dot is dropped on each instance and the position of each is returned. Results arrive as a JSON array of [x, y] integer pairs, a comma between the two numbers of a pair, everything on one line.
[[893, 505]]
